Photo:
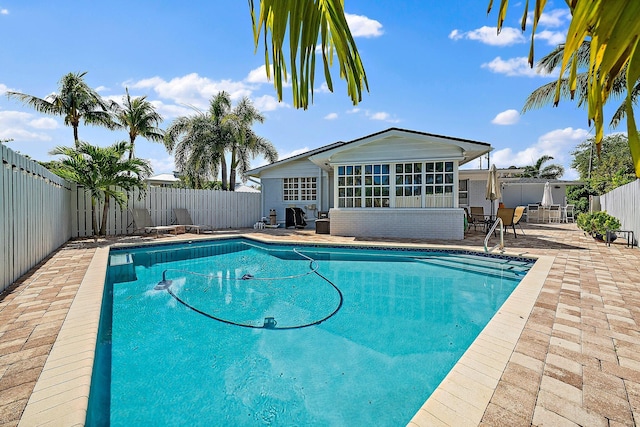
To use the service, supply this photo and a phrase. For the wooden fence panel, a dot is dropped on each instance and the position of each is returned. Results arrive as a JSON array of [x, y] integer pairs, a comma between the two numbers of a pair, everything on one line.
[[34, 214]]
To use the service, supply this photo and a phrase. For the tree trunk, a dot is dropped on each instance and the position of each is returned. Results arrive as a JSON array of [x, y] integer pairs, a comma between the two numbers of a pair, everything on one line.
[[105, 211], [94, 219], [223, 168], [232, 172], [75, 136]]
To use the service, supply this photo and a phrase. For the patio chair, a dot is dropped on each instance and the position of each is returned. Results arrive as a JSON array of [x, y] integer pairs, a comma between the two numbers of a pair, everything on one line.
[[507, 216], [183, 218], [517, 217], [569, 213], [477, 217], [142, 221], [533, 212], [555, 213]]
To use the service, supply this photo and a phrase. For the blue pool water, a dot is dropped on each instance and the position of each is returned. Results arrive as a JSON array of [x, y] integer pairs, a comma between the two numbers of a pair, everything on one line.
[[243, 333]]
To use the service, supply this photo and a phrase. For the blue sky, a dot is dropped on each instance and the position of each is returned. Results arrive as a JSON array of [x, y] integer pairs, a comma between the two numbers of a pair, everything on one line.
[[432, 66]]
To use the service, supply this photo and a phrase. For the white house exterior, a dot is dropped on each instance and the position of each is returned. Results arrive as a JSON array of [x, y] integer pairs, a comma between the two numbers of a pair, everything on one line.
[[395, 183]]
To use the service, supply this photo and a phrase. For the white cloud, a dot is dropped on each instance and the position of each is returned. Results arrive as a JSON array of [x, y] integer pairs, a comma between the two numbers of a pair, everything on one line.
[[553, 18], [44, 123], [16, 125], [354, 110], [489, 35], [268, 103], [4, 11], [164, 165], [382, 116], [102, 89], [508, 117], [170, 111], [324, 88], [259, 75], [331, 116], [361, 26], [513, 67], [557, 144], [3, 89], [191, 89], [553, 38]]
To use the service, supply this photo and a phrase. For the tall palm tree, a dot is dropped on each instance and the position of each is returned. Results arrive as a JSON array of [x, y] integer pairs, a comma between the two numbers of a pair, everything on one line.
[[104, 172], [219, 111], [140, 118], [613, 29], [75, 101], [245, 142], [536, 170]]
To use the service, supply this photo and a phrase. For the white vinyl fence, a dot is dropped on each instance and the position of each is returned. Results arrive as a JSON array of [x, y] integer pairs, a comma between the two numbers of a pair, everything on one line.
[[40, 211], [219, 209], [34, 215], [624, 203]]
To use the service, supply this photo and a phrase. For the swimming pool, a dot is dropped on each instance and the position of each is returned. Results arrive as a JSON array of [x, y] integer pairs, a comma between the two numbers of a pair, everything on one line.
[[358, 336]]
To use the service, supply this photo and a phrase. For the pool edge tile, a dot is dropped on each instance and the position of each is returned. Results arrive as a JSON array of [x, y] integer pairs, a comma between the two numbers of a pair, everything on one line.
[[56, 398], [526, 292]]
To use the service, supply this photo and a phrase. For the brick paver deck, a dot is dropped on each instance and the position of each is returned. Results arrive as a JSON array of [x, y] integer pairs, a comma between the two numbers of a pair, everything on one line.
[[577, 361]]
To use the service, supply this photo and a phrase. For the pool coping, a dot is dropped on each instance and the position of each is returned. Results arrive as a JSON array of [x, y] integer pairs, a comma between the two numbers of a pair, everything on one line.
[[61, 394]]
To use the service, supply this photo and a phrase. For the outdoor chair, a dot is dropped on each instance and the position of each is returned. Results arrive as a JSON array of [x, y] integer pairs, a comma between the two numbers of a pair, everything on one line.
[[554, 213], [477, 217], [517, 217], [507, 214], [533, 212], [569, 213], [142, 221], [183, 218]]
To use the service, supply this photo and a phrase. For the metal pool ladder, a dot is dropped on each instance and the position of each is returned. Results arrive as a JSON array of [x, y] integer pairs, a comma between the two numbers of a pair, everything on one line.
[[491, 230]]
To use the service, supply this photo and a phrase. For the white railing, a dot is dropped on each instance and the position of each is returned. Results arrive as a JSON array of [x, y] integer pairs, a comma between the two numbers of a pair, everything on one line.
[[491, 230]]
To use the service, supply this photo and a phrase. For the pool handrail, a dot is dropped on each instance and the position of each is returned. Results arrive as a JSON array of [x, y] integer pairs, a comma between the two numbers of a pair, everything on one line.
[[491, 230]]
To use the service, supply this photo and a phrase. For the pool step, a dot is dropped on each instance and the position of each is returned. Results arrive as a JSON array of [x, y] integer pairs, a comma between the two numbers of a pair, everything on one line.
[[504, 268]]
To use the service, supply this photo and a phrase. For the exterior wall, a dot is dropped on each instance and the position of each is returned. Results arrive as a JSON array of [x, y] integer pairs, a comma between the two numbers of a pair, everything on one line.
[[523, 194], [478, 194], [397, 149], [434, 223]]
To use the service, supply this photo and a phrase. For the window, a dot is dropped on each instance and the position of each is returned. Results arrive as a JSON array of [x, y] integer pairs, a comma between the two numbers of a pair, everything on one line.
[[409, 185], [301, 189], [363, 186], [463, 192]]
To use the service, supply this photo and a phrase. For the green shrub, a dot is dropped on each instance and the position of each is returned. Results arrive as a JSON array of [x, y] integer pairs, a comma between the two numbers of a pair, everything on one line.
[[597, 223]]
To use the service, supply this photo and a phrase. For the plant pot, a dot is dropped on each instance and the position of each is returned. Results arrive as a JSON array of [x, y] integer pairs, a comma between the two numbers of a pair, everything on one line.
[[599, 237]]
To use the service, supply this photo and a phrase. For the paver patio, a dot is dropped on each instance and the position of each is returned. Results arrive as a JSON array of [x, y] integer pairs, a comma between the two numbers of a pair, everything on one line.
[[577, 361]]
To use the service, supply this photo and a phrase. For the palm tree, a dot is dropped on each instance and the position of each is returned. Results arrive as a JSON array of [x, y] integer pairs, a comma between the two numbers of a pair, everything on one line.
[[140, 118], [545, 94], [245, 142], [613, 29], [104, 172], [75, 101], [199, 148], [299, 24], [536, 170]]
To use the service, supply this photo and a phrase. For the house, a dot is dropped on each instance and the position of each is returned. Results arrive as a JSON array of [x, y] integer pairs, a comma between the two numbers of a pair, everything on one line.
[[162, 180], [394, 183]]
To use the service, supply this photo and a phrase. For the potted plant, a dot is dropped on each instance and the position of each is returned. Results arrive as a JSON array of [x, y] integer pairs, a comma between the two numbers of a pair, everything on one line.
[[596, 224]]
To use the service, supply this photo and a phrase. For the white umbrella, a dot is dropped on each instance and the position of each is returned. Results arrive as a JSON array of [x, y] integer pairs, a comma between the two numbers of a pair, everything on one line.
[[547, 197], [493, 186]]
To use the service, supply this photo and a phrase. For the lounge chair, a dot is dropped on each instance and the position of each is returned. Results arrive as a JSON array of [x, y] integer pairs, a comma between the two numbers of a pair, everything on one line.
[[142, 221], [183, 218]]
